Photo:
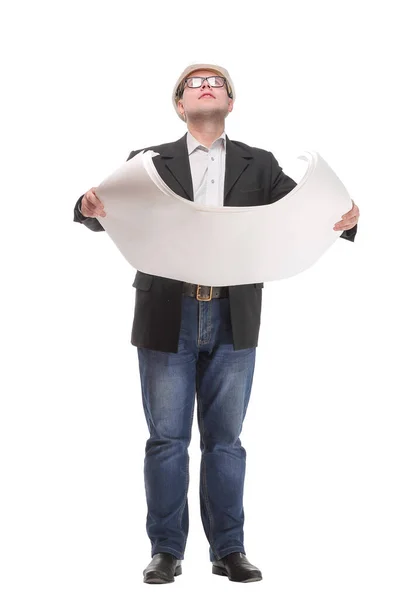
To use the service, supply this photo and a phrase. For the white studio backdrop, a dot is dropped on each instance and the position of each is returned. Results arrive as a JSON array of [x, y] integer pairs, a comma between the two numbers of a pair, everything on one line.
[[86, 83]]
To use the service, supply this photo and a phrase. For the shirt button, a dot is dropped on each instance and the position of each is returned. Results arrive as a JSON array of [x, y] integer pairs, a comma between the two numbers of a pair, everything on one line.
[[212, 158], [212, 180]]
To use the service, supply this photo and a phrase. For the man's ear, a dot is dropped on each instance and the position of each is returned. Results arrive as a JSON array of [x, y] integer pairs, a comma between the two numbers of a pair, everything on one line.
[[180, 107], [230, 105]]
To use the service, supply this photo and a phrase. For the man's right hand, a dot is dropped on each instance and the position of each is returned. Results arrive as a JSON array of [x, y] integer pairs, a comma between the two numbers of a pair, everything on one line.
[[91, 206]]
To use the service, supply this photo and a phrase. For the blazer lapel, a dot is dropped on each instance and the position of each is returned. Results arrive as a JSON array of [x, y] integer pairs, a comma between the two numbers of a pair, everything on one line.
[[174, 168], [236, 161]]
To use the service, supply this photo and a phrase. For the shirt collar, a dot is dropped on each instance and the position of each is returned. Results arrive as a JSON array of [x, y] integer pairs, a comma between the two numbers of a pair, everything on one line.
[[192, 143]]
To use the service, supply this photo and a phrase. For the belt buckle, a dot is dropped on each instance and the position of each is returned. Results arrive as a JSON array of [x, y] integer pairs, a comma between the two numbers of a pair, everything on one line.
[[202, 297]]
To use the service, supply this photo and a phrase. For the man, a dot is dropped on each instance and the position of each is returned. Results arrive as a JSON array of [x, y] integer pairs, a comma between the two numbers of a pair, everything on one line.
[[196, 340]]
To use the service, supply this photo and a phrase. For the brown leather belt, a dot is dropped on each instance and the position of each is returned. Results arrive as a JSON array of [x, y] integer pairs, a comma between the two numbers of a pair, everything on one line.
[[204, 293]]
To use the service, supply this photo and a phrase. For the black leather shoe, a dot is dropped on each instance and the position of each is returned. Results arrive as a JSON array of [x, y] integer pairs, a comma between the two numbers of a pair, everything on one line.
[[236, 567], [162, 568]]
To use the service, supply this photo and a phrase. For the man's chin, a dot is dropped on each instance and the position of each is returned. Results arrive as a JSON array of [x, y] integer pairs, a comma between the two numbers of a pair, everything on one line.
[[206, 113]]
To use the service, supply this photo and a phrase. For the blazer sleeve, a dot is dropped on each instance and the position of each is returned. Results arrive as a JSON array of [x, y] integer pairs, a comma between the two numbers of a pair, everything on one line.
[[282, 184], [91, 222]]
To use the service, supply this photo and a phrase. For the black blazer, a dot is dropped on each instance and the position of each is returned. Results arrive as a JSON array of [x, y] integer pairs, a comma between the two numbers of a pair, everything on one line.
[[252, 177]]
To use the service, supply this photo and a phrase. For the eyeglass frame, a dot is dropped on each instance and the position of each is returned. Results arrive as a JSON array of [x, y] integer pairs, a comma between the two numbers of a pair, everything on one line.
[[181, 87]]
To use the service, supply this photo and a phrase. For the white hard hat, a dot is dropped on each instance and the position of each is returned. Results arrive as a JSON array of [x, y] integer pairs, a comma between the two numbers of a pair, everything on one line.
[[190, 69]]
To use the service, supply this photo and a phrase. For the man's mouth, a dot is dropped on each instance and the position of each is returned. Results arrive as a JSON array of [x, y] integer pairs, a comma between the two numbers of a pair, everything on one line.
[[207, 95]]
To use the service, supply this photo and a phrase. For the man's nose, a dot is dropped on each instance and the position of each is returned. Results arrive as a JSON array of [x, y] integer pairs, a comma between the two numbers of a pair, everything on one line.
[[206, 82]]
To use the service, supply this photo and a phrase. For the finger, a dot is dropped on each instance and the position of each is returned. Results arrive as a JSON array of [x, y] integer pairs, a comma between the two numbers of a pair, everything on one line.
[[97, 212], [343, 227], [100, 212], [93, 213], [352, 221], [88, 208], [353, 212], [87, 213], [94, 203], [98, 203], [94, 198]]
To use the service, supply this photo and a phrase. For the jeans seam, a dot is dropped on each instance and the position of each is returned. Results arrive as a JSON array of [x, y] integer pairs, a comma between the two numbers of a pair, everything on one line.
[[187, 476], [206, 499]]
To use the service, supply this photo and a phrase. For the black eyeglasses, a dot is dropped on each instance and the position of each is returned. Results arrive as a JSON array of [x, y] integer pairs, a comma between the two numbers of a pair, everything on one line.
[[215, 81]]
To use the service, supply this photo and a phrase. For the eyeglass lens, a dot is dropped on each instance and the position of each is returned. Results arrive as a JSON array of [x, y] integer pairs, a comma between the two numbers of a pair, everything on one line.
[[196, 82]]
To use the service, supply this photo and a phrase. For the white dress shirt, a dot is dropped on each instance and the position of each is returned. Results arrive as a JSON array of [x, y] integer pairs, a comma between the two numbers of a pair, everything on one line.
[[207, 166]]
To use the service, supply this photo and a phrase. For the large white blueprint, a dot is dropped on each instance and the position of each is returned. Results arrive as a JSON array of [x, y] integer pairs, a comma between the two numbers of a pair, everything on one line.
[[161, 233]]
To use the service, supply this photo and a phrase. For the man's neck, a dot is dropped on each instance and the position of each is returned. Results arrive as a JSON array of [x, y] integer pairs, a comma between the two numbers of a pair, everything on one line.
[[206, 132]]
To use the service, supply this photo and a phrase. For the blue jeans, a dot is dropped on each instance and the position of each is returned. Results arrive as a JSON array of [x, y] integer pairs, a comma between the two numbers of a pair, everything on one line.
[[207, 365]]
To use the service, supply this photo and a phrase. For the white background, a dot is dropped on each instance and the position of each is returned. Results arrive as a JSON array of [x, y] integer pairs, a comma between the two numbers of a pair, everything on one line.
[[84, 84]]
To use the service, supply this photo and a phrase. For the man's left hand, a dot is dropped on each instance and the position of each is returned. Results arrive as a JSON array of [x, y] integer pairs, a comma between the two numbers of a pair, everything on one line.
[[349, 219]]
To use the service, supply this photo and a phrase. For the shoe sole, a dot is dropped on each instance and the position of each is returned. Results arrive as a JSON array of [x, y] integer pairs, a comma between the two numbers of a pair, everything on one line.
[[158, 578], [220, 571]]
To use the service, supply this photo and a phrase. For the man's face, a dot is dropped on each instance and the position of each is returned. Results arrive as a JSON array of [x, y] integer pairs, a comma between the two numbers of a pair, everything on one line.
[[205, 101]]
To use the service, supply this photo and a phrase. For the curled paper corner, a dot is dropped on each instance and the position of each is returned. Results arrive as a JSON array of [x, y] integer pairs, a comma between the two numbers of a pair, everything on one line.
[[302, 164], [308, 155], [147, 158], [151, 153]]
